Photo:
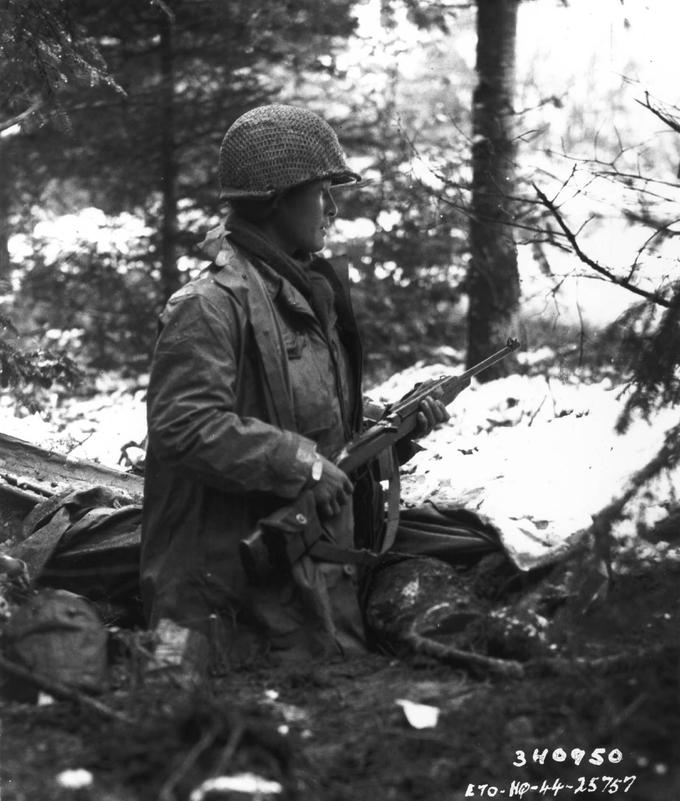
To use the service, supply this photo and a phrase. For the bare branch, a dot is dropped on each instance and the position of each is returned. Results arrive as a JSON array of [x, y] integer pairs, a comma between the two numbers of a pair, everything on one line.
[[165, 8], [671, 122], [19, 118], [632, 176], [659, 232], [59, 690], [595, 265]]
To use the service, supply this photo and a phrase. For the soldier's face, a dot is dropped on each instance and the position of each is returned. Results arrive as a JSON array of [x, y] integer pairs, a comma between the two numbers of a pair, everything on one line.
[[303, 216]]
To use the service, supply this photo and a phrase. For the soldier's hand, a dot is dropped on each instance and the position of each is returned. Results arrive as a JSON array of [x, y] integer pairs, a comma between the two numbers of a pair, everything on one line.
[[332, 490], [431, 413]]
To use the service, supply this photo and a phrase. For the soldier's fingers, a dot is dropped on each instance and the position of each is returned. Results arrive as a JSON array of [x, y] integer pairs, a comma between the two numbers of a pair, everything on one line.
[[441, 412], [421, 425], [427, 408]]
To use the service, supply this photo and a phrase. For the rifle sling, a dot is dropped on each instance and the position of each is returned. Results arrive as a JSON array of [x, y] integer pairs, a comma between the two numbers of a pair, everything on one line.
[[299, 545], [392, 517], [327, 552]]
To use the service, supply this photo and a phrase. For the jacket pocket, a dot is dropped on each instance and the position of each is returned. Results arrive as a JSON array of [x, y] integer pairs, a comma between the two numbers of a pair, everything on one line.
[[294, 343]]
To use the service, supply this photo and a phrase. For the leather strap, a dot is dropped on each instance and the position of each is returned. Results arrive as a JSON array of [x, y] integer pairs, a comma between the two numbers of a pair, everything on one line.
[[327, 552], [392, 517], [388, 469]]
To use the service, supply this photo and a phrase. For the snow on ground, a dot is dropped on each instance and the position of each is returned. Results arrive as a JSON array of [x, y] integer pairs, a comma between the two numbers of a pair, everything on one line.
[[94, 429], [537, 456]]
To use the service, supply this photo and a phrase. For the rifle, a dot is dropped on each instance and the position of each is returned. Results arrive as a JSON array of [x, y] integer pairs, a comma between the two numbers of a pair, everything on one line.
[[286, 535]]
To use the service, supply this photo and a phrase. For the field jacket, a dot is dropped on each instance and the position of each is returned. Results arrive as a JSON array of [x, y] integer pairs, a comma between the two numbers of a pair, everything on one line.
[[244, 385]]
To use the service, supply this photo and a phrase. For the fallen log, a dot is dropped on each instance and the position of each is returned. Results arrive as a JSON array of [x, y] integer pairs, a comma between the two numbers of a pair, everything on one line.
[[33, 473]]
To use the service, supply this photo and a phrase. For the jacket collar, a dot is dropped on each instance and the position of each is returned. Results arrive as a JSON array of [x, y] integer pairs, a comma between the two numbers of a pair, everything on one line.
[[235, 271]]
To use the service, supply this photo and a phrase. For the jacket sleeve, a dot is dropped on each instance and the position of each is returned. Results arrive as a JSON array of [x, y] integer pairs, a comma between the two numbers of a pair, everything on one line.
[[191, 406]]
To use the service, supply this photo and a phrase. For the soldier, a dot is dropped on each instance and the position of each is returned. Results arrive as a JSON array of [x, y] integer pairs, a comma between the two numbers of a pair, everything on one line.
[[255, 384]]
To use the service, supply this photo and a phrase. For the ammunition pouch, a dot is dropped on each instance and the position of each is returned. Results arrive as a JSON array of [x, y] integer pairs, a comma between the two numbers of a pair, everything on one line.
[[286, 536]]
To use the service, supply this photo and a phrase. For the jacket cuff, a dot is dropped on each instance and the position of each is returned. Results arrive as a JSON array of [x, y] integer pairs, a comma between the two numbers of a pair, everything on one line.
[[372, 411], [291, 464]]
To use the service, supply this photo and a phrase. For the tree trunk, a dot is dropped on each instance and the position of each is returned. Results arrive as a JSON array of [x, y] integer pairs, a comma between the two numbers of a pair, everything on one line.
[[493, 278], [5, 284], [170, 278]]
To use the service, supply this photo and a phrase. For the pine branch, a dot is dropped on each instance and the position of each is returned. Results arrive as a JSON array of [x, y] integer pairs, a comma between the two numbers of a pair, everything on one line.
[[603, 521]]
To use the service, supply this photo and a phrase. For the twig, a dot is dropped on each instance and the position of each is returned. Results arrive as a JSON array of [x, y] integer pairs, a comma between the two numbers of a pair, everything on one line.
[[59, 690], [167, 792], [608, 274], [632, 176], [601, 665], [505, 668], [672, 123], [535, 414], [229, 749], [19, 118], [165, 8], [659, 232], [582, 333], [623, 716]]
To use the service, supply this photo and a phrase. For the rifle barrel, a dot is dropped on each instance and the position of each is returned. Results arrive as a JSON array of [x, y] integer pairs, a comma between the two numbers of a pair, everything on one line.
[[387, 431], [463, 378], [511, 344]]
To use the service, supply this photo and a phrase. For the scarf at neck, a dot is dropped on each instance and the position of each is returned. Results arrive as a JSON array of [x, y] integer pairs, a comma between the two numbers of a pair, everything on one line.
[[301, 274], [250, 238]]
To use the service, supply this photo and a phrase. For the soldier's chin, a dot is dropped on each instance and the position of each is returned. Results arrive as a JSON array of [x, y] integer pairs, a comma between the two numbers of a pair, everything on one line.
[[319, 243]]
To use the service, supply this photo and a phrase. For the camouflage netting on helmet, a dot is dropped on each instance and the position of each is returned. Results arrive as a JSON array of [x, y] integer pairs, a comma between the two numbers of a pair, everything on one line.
[[273, 148]]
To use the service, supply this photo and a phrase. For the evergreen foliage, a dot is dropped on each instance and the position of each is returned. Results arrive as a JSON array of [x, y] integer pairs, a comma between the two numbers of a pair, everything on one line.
[[98, 298], [651, 345], [221, 59], [186, 69], [26, 370], [45, 54], [124, 151]]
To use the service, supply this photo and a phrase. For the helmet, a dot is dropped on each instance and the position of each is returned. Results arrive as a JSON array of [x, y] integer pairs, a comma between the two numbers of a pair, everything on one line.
[[272, 148]]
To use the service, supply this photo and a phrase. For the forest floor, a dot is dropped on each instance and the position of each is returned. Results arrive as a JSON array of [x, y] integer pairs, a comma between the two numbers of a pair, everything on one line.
[[601, 720], [335, 731]]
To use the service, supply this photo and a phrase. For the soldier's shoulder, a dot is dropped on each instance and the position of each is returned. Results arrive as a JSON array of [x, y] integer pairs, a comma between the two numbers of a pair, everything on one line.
[[216, 283]]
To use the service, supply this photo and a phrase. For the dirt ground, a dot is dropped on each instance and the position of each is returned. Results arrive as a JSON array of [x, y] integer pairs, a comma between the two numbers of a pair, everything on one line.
[[335, 732]]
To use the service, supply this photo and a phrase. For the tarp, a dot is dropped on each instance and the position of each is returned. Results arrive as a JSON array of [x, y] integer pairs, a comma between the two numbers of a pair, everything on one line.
[[88, 542]]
